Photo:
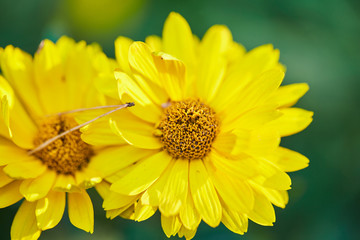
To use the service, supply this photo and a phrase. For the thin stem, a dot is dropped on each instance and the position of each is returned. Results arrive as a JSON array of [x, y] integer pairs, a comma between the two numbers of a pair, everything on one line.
[[86, 109], [47, 142]]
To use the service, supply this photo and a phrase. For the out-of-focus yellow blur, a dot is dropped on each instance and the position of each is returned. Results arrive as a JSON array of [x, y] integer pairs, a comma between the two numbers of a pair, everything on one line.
[[97, 17]]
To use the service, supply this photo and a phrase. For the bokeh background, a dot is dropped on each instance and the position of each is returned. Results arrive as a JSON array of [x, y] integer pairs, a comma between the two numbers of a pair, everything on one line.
[[319, 41]]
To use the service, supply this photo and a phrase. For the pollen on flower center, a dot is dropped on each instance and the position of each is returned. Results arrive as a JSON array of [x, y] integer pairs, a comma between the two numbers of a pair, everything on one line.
[[66, 155], [187, 129]]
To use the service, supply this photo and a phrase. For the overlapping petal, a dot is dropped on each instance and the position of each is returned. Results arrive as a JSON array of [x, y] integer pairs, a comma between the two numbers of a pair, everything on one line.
[[10, 194], [205, 198], [143, 175], [178, 39], [50, 209], [212, 61], [175, 191], [81, 211], [36, 188], [24, 225]]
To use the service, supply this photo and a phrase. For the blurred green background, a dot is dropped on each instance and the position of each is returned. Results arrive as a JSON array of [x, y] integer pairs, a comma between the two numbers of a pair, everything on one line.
[[319, 41]]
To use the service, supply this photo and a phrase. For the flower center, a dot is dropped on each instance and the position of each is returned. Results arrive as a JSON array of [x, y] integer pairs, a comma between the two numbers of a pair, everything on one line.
[[67, 154], [187, 129]]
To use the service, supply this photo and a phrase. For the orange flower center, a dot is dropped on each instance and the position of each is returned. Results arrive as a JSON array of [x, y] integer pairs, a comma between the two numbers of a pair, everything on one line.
[[66, 155], [187, 129]]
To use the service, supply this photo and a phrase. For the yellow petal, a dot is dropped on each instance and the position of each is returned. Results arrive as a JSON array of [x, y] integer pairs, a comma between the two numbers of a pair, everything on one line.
[[49, 78], [140, 139], [212, 63], [262, 141], [115, 200], [17, 67], [189, 234], [288, 160], [242, 71], [7, 101], [90, 59], [141, 62], [10, 194], [145, 72], [171, 75], [84, 116], [152, 195], [25, 169], [65, 183], [93, 98], [253, 119], [234, 221], [119, 174], [10, 153], [103, 189], [225, 142], [63, 73], [111, 214], [24, 225], [271, 176], [235, 52], [170, 225], [178, 39], [232, 85], [263, 212], [36, 188], [112, 159], [65, 45], [5, 131], [122, 45], [277, 197], [81, 212], [143, 212], [21, 127], [258, 60], [134, 131], [149, 113], [76, 76], [237, 194], [145, 173], [279, 181], [105, 81], [204, 194], [126, 212], [242, 167], [189, 216], [87, 178], [292, 121], [256, 92], [129, 91], [259, 142], [175, 191], [145, 198], [4, 179], [154, 42], [50, 209], [287, 96]]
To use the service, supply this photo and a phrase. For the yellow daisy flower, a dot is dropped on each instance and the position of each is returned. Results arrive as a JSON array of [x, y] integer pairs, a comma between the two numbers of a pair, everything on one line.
[[32, 90], [203, 139]]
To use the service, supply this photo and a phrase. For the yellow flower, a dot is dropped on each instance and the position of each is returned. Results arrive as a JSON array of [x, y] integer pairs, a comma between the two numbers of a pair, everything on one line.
[[203, 139], [32, 90]]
